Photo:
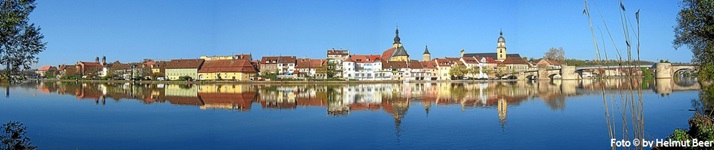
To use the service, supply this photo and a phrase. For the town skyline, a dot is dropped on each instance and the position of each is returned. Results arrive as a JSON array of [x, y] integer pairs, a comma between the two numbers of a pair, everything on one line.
[[169, 30]]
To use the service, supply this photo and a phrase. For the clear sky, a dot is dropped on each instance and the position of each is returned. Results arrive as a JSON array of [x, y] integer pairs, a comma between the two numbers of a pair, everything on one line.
[[131, 30]]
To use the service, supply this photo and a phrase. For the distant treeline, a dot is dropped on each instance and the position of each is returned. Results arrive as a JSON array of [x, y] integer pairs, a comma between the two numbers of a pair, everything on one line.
[[575, 62]]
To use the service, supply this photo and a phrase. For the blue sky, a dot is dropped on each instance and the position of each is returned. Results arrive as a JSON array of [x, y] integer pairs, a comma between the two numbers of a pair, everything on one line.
[[129, 31]]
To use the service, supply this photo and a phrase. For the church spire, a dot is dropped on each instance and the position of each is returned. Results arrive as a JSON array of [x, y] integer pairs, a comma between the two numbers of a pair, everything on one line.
[[397, 40], [426, 50]]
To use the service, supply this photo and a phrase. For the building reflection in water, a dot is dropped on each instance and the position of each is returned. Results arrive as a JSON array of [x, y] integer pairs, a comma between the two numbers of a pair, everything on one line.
[[341, 100]]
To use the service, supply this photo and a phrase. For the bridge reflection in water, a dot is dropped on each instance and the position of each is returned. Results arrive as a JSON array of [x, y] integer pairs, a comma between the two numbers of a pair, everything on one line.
[[341, 100]]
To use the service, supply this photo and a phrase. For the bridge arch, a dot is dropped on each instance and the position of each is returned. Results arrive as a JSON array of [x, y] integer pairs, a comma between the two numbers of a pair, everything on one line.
[[531, 77], [509, 76], [554, 76], [682, 70], [668, 70]]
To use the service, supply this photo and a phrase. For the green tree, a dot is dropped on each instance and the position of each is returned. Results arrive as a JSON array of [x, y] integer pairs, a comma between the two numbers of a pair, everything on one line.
[[20, 40], [110, 74], [185, 78], [473, 71], [331, 70], [488, 71], [695, 29], [458, 71]]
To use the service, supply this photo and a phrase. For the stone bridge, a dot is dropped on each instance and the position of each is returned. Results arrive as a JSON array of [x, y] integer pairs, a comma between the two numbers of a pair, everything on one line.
[[667, 70], [662, 71], [565, 72]]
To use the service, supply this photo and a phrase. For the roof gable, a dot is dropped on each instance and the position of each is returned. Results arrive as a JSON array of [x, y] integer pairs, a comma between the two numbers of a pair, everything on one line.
[[184, 64], [214, 66]]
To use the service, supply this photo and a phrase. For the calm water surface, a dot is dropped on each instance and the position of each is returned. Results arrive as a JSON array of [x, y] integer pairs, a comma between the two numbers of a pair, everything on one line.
[[495, 115]]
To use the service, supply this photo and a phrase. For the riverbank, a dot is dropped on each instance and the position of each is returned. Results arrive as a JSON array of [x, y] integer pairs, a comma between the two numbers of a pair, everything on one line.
[[276, 82]]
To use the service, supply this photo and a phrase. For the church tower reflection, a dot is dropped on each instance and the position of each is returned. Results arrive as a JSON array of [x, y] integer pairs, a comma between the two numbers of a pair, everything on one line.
[[502, 111]]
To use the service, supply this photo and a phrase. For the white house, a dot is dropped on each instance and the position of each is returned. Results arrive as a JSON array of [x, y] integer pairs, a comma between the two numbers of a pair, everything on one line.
[[362, 67]]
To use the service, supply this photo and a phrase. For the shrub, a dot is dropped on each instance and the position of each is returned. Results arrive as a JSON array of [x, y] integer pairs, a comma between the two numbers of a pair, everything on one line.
[[184, 78]]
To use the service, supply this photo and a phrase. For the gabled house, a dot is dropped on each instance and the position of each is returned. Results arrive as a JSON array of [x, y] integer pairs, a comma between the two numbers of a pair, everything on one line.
[[158, 69], [236, 70], [183, 67], [431, 72], [67, 70], [94, 69], [362, 67], [403, 70], [281, 65], [308, 68], [443, 66], [336, 57], [45, 71], [120, 70], [513, 64], [550, 64]]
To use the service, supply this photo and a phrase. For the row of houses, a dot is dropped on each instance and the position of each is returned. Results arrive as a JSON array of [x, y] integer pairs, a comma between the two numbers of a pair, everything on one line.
[[394, 63]]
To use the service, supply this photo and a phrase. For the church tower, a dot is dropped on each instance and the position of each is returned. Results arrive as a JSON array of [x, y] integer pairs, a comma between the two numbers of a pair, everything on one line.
[[426, 56], [501, 48], [397, 40], [400, 54]]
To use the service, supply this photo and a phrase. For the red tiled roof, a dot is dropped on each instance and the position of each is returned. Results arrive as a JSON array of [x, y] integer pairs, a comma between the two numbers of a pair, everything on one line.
[[453, 59], [248, 57], [444, 62], [46, 68], [119, 66], [149, 63], [212, 66], [514, 60], [415, 65], [428, 64], [488, 59], [63, 67], [159, 64], [553, 62], [310, 63], [394, 64], [181, 100], [470, 60], [388, 53], [184, 64], [277, 59], [90, 64], [311, 101], [402, 64], [364, 106], [364, 58]]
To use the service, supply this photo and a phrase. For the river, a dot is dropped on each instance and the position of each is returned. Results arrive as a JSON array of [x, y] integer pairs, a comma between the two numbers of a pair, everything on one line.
[[489, 115]]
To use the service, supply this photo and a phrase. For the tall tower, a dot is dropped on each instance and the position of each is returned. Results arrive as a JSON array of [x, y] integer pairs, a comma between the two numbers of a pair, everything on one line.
[[501, 48], [397, 40], [426, 56], [400, 54]]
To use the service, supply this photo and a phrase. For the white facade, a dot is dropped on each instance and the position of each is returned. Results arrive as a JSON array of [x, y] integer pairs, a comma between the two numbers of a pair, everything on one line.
[[362, 71], [286, 68]]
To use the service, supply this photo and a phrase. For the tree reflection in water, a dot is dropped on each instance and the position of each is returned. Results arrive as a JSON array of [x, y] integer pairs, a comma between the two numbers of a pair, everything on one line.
[[13, 137]]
